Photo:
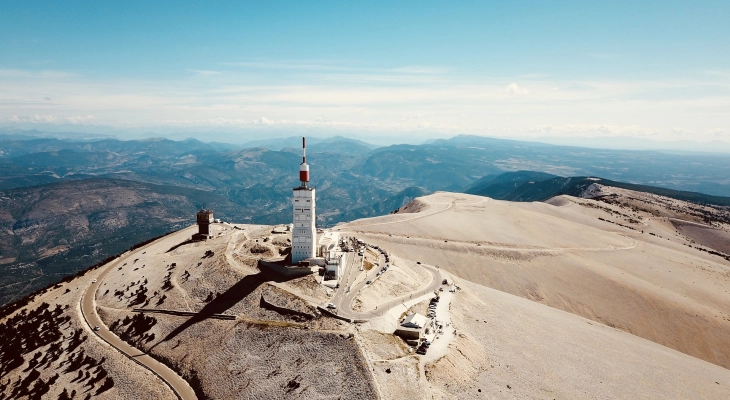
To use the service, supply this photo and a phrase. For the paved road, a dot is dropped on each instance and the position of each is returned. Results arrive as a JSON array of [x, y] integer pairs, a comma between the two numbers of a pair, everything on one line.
[[354, 279], [352, 271], [433, 286], [88, 308], [343, 299]]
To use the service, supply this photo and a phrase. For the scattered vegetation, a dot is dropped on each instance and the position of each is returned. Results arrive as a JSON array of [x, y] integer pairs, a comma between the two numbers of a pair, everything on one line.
[[134, 330], [39, 332], [259, 249], [167, 282]]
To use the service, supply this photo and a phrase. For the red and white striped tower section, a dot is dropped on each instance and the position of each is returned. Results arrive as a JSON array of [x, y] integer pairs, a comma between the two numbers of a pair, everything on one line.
[[304, 232]]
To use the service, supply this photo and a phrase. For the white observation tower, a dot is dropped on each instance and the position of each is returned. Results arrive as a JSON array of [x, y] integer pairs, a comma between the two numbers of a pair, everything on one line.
[[304, 232]]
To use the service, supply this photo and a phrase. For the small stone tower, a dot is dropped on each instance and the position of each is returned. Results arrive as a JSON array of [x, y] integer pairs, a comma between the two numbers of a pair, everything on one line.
[[204, 219]]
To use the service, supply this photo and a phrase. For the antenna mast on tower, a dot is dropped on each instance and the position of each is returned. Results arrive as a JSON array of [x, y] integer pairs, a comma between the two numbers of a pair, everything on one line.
[[304, 167]]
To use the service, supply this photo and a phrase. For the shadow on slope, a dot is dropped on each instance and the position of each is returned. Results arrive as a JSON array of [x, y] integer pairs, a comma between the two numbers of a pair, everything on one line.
[[226, 300]]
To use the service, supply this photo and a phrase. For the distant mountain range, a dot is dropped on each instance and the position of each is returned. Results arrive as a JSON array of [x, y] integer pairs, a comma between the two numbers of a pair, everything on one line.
[[253, 183], [632, 143], [337, 144], [538, 186]]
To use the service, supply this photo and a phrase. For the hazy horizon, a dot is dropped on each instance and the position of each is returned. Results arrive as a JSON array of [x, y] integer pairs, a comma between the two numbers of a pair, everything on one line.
[[541, 72], [90, 132]]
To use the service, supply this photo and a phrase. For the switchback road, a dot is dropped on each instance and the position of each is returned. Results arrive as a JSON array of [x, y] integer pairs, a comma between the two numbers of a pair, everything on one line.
[[343, 300]]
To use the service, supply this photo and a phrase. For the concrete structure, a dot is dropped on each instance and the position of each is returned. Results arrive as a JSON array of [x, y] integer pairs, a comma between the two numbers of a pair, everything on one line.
[[414, 321], [409, 334], [333, 268], [318, 261], [204, 219], [281, 267], [304, 232], [328, 248], [411, 329], [328, 244]]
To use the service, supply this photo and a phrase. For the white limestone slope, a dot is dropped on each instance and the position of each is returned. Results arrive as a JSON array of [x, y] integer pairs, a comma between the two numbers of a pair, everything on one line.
[[575, 306]]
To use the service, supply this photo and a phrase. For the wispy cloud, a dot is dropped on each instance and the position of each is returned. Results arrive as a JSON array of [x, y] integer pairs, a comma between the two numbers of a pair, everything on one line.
[[32, 118], [533, 76], [287, 65], [718, 133], [513, 90], [80, 119], [333, 66], [77, 119], [603, 56], [204, 72], [403, 98], [25, 102], [419, 70], [725, 74], [44, 74], [583, 130]]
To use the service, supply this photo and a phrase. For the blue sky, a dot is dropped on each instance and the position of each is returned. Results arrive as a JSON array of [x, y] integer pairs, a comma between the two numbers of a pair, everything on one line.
[[657, 70]]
